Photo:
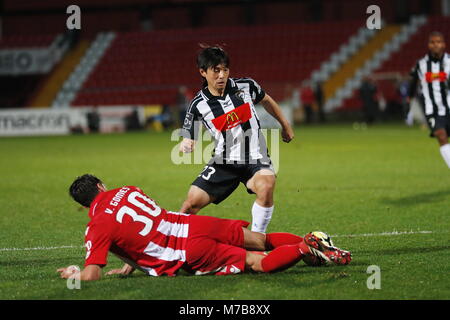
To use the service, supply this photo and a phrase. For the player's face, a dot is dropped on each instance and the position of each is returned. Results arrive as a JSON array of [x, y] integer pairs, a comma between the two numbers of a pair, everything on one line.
[[216, 76], [436, 45]]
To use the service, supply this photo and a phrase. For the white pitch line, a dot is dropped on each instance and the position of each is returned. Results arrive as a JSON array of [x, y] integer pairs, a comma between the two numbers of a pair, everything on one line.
[[392, 233], [39, 248]]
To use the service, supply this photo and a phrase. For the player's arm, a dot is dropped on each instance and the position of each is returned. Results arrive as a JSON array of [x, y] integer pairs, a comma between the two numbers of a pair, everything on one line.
[[189, 132], [90, 273], [275, 111], [97, 243], [412, 87]]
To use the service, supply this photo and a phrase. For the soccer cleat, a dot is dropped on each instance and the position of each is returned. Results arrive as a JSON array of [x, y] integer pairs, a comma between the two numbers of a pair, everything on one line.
[[322, 247]]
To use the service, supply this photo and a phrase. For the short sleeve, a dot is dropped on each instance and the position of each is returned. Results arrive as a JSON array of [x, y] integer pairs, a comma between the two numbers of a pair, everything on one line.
[[414, 71], [256, 91], [412, 87], [97, 243]]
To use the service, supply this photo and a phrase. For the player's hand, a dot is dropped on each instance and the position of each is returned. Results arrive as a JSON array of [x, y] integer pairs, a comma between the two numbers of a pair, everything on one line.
[[187, 145], [125, 270], [287, 134], [114, 271], [66, 273]]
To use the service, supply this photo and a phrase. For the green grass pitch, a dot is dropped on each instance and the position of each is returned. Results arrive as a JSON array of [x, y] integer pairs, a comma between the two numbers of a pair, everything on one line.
[[361, 186]]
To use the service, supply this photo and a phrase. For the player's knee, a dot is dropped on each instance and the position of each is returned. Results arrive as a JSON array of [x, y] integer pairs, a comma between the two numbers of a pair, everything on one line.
[[443, 139], [260, 241], [254, 240], [441, 136], [266, 184], [264, 190]]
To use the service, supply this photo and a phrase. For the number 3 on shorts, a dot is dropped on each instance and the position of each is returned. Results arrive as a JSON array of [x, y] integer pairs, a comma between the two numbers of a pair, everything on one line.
[[208, 174]]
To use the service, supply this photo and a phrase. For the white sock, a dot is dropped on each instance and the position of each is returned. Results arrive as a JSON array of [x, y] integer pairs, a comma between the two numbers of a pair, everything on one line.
[[261, 217], [445, 152]]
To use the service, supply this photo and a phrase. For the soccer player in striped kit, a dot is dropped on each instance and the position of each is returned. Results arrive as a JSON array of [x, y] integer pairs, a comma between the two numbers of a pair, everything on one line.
[[226, 108], [128, 223], [432, 73]]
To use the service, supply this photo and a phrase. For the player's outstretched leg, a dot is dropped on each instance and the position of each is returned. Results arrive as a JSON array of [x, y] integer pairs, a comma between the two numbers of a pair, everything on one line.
[[279, 259], [266, 242]]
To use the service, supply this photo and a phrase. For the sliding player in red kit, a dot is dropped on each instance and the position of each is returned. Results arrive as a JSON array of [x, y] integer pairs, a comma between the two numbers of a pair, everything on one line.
[[126, 222]]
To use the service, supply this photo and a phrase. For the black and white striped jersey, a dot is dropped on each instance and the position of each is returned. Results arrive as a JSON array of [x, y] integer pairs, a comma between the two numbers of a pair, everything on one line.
[[231, 120], [433, 76]]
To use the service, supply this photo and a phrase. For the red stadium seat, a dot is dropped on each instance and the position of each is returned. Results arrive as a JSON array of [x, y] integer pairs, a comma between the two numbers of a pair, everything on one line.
[[403, 60], [149, 66]]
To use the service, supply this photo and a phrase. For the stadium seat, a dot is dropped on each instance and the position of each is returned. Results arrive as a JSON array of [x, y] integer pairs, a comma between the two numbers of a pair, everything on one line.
[[404, 59], [160, 61]]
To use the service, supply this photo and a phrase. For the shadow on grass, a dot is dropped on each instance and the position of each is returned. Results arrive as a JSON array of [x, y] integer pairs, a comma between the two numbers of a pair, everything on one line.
[[427, 197], [308, 277]]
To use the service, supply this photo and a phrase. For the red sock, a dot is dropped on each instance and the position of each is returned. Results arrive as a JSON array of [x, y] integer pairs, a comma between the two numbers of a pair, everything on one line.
[[277, 239], [281, 258], [304, 248]]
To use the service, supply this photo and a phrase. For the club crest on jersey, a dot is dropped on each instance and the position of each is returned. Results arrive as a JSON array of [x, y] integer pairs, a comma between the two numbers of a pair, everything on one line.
[[240, 94], [233, 118]]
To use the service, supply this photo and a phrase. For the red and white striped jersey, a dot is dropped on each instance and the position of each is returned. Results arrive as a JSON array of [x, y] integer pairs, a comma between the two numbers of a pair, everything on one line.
[[129, 224]]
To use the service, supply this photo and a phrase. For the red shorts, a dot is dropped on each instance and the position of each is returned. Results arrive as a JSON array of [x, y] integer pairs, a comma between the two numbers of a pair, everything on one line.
[[215, 245]]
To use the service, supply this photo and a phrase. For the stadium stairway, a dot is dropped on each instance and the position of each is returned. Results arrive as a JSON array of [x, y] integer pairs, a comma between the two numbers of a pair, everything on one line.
[[373, 61], [405, 58], [145, 68], [53, 83], [93, 55], [338, 58], [348, 69]]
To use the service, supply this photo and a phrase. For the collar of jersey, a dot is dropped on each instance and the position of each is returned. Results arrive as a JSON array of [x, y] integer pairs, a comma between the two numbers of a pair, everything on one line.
[[229, 88], [435, 59], [94, 204]]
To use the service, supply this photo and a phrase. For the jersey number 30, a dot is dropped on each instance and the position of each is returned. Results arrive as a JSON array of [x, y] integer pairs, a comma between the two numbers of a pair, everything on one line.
[[149, 207]]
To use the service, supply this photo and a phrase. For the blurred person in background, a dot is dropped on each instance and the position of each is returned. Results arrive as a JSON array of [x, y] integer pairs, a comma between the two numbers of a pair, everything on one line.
[[403, 90], [182, 100], [368, 96], [432, 73], [307, 98], [132, 122], [93, 120], [319, 95]]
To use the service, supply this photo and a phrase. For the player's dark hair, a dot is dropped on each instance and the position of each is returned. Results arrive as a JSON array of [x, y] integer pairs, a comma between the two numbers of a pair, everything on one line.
[[436, 34], [209, 57], [84, 189]]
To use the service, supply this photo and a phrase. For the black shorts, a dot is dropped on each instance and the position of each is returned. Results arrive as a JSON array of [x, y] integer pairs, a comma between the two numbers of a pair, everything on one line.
[[220, 180], [438, 122]]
